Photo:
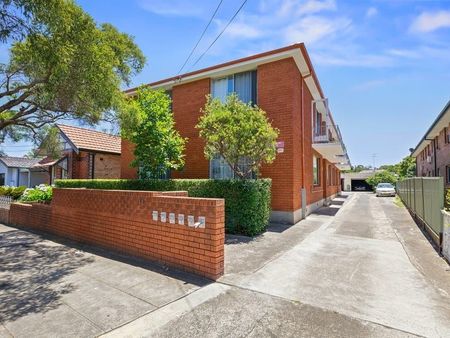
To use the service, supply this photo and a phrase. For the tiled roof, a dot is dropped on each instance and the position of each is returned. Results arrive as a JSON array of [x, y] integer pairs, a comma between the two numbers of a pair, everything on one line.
[[88, 139], [19, 162]]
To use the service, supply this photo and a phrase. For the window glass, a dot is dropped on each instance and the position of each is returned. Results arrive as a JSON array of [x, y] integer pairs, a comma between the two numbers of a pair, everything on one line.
[[243, 86], [316, 170], [220, 88], [220, 170]]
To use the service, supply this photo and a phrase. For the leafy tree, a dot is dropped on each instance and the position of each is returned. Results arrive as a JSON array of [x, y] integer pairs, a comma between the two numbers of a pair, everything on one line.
[[407, 167], [382, 177], [147, 121], [62, 65], [48, 143], [235, 130]]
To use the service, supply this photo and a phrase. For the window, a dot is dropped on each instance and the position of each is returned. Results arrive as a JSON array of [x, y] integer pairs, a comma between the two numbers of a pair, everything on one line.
[[329, 178], [2, 179], [446, 136], [220, 170], [316, 170], [448, 174], [244, 85]]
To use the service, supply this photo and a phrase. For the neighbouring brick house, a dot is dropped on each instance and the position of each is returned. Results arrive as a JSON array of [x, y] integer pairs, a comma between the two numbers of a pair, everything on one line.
[[311, 153], [87, 154], [433, 151]]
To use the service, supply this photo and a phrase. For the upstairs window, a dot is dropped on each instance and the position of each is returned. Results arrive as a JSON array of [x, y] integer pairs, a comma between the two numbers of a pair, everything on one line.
[[243, 84]]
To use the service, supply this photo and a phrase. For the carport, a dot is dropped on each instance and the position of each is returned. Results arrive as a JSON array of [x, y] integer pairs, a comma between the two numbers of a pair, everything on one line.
[[360, 185]]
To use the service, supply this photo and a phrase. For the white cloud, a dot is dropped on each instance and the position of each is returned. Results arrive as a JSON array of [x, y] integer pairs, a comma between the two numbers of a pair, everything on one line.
[[172, 7], [240, 29], [431, 21], [315, 6], [289, 7], [314, 28], [371, 12], [405, 53]]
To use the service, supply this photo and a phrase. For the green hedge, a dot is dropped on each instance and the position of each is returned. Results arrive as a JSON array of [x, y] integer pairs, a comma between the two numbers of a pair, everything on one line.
[[14, 192], [247, 202]]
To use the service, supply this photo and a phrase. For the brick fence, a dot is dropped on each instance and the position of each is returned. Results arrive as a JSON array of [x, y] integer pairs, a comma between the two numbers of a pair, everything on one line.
[[168, 227]]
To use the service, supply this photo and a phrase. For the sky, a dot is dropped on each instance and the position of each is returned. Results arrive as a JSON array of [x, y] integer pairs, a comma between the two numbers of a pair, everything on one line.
[[383, 65]]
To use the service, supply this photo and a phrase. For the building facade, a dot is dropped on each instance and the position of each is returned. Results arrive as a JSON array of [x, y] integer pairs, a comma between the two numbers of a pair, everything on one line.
[[87, 154], [433, 151], [282, 82]]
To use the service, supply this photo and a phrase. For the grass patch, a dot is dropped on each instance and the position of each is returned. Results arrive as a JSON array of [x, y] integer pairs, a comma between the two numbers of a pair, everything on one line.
[[398, 202]]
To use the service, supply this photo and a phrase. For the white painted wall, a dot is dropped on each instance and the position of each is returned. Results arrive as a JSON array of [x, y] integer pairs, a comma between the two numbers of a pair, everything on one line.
[[4, 170], [12, 177]]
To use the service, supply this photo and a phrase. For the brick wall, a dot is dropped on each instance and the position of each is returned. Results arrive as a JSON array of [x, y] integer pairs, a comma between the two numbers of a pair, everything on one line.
[[4, 216], [188, 99], [126, 157], [34, 216], [123, 221], [106, 166]]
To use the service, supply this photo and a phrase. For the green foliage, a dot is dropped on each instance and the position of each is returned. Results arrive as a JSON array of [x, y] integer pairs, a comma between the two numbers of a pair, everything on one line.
[[404, 169], [407, 167], [148, 122], [14, 192], [247, 202], [235, 130], [49, 143], [41, 193], [382, 177], [62, 65]]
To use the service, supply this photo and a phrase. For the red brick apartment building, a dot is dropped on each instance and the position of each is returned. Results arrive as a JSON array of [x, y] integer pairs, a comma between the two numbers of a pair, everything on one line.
[[311, 153], [433, 151]]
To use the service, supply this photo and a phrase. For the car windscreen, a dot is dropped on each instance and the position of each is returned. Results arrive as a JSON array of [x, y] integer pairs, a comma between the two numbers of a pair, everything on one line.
[[385, 185]]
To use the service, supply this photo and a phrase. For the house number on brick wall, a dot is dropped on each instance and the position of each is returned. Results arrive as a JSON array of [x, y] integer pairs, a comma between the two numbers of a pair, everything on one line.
[[181, 219], [201, 223]]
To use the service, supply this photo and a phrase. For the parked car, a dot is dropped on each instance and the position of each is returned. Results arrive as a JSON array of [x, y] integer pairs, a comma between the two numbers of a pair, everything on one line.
[[385, 189]]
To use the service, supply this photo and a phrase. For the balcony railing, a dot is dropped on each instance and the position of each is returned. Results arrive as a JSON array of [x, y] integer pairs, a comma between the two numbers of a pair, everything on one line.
[[324, 134]]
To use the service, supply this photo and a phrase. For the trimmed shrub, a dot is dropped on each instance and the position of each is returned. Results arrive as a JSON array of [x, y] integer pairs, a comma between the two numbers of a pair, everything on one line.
[[247, 202], [41, 193], [14, 192]]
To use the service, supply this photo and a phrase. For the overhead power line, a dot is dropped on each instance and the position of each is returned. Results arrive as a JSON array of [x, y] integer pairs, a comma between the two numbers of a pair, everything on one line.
[[220, 34], [201, 36]]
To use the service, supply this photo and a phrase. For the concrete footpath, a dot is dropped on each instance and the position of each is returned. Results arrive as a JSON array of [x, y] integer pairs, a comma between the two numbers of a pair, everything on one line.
[[359, 268]]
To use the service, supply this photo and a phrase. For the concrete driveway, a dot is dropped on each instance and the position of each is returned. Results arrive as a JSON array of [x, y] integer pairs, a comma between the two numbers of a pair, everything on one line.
[[360, 267]]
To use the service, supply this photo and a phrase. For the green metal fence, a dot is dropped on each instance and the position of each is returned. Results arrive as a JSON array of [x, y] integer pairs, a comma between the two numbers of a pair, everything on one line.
[[424, 197]]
